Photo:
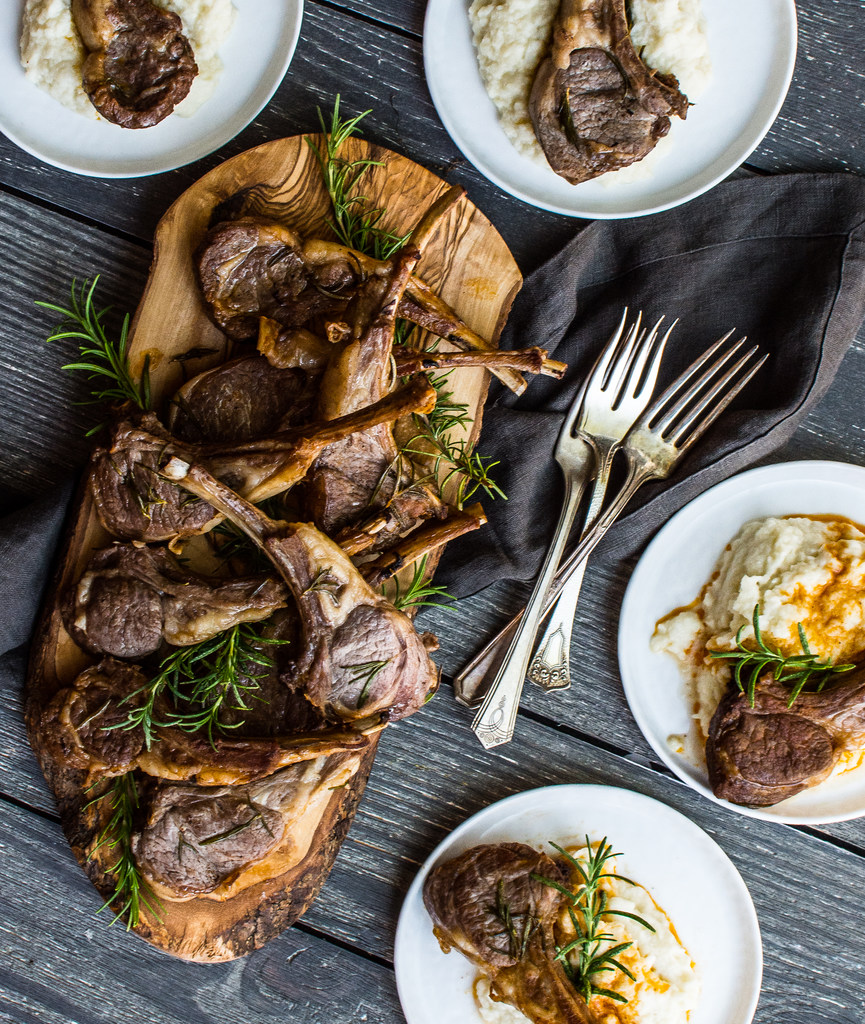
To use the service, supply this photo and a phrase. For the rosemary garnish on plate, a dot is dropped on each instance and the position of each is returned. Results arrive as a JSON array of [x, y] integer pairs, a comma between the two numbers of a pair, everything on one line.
[[205, 679], [795, 671], [518, 927], [131, 891], [100, 356], [584, 957], [419, 594]]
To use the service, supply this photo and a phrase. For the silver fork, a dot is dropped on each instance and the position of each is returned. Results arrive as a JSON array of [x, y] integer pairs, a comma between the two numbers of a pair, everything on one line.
[[610, 408], [616, 376], [653, 448]]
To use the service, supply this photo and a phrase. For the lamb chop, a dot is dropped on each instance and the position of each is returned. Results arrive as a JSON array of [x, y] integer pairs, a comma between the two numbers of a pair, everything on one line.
[[763, 754], [360, 655], [242, 399], [251, 268], [130, 599], [594, 104], [199, 839], [489, 904], [85, 724], [140, 64], [135, 502]]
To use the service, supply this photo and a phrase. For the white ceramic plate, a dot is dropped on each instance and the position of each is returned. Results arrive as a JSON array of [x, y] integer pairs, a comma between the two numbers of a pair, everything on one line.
[[671, 573], [255, 57], [686, 872], [753, 49]]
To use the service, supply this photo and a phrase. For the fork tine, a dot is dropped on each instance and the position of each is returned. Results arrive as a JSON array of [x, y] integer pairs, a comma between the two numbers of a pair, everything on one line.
[[697, 403], [641, 380], [597, 373], [703, 425], [687, 384], [623, 357]]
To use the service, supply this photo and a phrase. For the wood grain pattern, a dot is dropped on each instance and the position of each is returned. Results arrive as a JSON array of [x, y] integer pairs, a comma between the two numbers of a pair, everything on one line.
[[469, 266]]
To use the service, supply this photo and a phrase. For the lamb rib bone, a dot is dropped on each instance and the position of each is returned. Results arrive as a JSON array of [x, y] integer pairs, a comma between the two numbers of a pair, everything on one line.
[[129, 599], [361, 656], [527, 360], [134, 503]]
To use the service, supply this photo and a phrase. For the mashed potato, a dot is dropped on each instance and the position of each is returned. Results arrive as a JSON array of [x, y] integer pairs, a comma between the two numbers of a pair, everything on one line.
[[667, 985], [798, 570], [52, 52], [511, 38]]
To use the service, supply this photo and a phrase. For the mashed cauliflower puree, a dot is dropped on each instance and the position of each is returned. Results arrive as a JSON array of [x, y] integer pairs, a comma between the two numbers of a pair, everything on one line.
[[52, 52], [511, 38], [667, 985], [797, 569]]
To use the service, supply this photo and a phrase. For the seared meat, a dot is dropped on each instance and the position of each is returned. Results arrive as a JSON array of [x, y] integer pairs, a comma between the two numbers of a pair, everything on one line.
[[85, 725], [761, 755], [135, 502], [250, 268], [594, 105], [383, 528], [129, 599], [240, 400], [198, 838], [81, 723], [471, 898], [360, 655], [140, 64]]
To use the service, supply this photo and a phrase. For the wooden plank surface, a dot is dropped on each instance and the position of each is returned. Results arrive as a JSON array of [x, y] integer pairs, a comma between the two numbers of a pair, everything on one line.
[[63, 965]]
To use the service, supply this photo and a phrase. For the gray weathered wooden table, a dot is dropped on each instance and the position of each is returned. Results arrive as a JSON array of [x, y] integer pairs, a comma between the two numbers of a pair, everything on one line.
[[59, 963]]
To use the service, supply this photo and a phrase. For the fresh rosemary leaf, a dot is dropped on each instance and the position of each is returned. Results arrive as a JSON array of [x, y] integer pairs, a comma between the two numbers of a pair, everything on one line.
[[131, 890], [105, 361], [795, 671], [366, 672], [584, 957], [204, 680], [230, 833], [421, 595]]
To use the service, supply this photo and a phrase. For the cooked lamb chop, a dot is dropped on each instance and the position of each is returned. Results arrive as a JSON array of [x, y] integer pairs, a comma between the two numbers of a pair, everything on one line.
[[242, 399], [594, 104], [487, 904], [306, 279], [763, 754], [84, 725], [139, 65], [199, 839], [360, 655], [382, 528], [249, 268], [135, 502], [526, 360], [129, 599]]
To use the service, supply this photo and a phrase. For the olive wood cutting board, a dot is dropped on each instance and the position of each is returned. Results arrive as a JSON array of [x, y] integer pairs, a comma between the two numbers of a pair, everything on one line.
[[466, 262]]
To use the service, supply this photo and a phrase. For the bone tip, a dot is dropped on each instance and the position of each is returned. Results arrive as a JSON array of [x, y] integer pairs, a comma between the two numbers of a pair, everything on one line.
[[175, 468]]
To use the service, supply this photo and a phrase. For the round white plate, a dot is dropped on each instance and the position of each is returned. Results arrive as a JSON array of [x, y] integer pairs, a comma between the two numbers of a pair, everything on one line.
[[671, 573], [685, 871], [255, 56], [752, 68]]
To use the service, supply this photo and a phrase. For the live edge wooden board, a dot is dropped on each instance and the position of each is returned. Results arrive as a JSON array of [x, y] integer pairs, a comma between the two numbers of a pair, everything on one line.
[[467, 263]]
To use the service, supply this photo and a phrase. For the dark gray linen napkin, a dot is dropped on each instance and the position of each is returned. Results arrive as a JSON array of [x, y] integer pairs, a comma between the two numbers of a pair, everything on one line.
[[781, 259]]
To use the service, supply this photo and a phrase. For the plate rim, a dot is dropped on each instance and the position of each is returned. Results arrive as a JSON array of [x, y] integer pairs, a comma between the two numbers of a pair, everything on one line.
[[497, 808], [456, 136], [207, 145], [732, 483]]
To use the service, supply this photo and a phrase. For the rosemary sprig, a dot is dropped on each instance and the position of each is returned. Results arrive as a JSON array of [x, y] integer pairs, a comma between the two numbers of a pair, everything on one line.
[[518, 937], [325, 582], [795, 671], [204, 679], [366, 672], [130, 889], [354, 223], [419, 594], [100, 356], [583, 958]]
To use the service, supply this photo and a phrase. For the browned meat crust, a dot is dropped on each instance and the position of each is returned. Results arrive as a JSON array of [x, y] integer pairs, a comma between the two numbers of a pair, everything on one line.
[[140, 64], [595, 106]]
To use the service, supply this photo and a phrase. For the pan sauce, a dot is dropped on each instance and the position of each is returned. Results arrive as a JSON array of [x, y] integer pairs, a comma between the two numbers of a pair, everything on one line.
[[667, 986], [798, 569]]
